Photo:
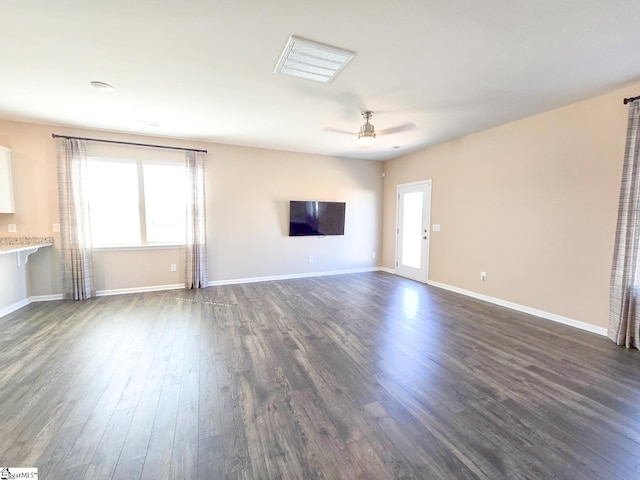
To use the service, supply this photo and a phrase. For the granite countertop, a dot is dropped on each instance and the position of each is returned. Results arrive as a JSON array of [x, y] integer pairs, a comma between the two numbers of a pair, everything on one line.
[[18, 244]]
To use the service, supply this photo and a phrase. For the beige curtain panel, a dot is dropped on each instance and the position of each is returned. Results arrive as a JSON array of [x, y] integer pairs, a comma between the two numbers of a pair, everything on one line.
[[78, 275], [624, 324], [196, 271]]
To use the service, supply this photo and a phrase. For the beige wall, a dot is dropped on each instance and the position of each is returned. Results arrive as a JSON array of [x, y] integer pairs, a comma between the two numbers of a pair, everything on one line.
[[122, 269], [247, 194], [248, 191], [36, 207], [533, 203]]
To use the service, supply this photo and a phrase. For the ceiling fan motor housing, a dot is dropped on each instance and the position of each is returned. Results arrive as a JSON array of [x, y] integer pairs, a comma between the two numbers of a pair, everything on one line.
[[367, 130]]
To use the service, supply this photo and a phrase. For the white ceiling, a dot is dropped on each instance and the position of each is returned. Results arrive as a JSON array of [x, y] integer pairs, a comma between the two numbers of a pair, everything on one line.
[[203, 69]]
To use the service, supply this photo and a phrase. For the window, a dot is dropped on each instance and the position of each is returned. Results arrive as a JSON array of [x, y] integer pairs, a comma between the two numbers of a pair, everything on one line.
[[165, 202], [134, 202]]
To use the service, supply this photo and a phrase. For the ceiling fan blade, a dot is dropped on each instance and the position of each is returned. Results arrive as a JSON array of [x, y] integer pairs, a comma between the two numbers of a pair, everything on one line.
[[405, 127], [335, 130]]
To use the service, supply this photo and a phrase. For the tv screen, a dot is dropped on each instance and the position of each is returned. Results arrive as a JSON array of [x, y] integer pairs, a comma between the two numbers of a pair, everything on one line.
[[316, 218]]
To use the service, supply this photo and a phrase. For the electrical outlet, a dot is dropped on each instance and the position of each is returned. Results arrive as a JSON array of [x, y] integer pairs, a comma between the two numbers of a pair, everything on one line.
[[483, 276], [373, 255], [310, 258], [12, 228], [56, 228], [174, 267]]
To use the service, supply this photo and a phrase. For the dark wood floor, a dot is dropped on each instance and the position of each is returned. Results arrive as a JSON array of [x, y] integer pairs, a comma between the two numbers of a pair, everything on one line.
[[355, 376]]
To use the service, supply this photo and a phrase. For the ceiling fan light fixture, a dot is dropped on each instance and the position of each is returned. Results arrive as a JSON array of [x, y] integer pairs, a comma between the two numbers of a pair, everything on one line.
[[367, 134], [366, 139]]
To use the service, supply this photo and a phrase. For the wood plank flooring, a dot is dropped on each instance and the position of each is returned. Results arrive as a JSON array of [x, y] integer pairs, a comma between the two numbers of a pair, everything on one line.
[[364, 376]]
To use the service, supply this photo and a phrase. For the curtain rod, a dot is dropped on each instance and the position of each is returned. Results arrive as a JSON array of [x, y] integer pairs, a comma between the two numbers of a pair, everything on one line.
[[55, 135], [631, 99]]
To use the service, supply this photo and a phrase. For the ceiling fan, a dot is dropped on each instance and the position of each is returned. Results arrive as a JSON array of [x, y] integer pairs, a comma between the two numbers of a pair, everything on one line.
[[367, 134]]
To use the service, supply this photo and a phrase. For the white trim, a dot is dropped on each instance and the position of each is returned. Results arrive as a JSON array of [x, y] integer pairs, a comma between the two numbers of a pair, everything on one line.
[[45, 298], [27, 301], [151, 246], [124, 291], [14, 307], [178, 286], [235, 281], [479, 296], [413, 184], [99, 293], [522, 308]]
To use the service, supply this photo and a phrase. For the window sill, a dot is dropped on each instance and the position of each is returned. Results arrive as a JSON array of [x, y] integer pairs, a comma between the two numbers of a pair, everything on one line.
[[157, 246]]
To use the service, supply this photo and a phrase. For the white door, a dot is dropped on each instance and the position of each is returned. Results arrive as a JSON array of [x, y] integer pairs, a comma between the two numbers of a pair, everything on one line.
[[413, 220]]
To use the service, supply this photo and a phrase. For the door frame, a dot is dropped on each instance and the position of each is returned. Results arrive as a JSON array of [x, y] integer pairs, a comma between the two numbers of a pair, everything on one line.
[[425, 277]]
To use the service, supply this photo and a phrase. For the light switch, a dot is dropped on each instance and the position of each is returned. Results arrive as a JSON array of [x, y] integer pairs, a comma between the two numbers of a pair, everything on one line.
[[436, 227]]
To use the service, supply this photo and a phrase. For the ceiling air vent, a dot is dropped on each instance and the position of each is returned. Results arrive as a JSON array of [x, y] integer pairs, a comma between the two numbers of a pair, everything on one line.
[[311, 60]]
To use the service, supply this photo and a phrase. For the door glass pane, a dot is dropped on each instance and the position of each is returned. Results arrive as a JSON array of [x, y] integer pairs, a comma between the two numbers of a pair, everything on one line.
[[412, 229]]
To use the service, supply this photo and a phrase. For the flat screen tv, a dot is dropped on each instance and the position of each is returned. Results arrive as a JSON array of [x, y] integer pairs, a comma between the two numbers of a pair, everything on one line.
[[316, 218]]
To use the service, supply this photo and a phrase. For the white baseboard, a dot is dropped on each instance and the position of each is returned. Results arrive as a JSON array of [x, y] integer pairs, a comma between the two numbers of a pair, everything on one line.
[[523, 308], [124, 291], [99, 293], [270, 278], [45, 298], [27, 301], [504, 303], [14, 307], [178, 286]]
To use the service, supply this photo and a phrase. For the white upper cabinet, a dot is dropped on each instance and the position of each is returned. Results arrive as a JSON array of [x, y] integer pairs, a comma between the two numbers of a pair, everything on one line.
[[7, 204]]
